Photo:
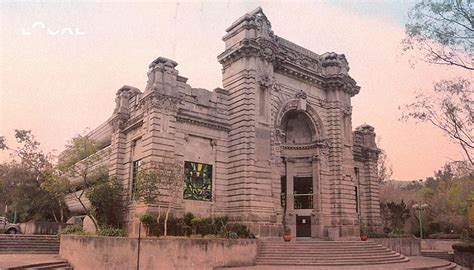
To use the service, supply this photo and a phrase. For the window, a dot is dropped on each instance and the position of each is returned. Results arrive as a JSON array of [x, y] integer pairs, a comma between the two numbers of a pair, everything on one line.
[[263, 102], [357, 199], [135, 169], [357, 175], [198, 181], [283, 192], [303, 192]]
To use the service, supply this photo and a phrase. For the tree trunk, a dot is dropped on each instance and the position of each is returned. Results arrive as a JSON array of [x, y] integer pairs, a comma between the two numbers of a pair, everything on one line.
[[61, 210], [166, 220], [158, 219], [87, 212]]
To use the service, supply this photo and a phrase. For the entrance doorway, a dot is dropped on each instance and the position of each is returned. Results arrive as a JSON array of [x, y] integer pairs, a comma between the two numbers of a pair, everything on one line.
[[303, 226]]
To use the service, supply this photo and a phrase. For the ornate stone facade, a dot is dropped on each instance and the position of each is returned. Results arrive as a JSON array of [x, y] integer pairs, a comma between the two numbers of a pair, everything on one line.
[[277, 140]]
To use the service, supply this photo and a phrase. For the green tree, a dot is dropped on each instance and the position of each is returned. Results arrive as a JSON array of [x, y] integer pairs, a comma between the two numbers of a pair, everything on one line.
[[21, 180], [160, 179], [81, 164], [396, 214], [443, 32], [106, 197]]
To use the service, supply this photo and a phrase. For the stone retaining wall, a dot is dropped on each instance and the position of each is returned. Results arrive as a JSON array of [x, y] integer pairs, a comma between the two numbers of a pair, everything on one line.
[[95, 252], [49, 228], [438, 244], [405, 246]]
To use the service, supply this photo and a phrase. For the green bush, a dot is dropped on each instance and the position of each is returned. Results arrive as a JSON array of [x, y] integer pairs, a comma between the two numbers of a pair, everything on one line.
[[148, 219], [464, 247], [72, 229], [372, 234], [111, 232]]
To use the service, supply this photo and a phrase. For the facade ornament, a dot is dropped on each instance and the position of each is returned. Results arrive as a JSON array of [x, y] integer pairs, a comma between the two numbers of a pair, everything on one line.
[[276, 87], [280, 134], [266, 81], [301, 96]]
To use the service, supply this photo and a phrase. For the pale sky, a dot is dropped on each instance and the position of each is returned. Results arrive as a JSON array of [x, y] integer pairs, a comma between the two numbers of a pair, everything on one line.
[[57, 85]]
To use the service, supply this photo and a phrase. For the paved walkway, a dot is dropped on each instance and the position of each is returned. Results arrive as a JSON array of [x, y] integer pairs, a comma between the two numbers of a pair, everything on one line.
[[414, 263], [16, 260]]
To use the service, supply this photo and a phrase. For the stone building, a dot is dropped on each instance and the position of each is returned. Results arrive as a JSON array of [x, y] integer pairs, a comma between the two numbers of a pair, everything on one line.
[[274, 144]]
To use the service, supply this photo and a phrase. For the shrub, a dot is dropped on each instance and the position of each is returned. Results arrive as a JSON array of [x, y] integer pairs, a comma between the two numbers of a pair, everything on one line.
[[240, 230], [372, 234], [72, 229], [464, 247], [111, 232], [148, 219], [150, 223]]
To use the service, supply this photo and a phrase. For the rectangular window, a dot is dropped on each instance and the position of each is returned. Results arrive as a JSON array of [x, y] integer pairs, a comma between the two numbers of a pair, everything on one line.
[[198, 181], [135, 169], [356, 172], [357, 199], [303, 192], [283, 191]]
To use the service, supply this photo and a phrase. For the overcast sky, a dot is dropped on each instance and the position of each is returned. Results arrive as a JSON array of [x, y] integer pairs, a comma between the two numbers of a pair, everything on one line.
[[57, 85]]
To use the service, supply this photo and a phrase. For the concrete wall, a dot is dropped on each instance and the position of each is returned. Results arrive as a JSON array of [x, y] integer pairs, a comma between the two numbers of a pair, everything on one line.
[[405, 246], [41, 227], [439, 244], [94, 252]]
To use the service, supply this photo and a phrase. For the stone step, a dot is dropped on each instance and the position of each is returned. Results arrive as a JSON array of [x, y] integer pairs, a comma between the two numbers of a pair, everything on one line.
[[332, 256], [29, 244], [47, 266], [322, 248], [321, 253], [331, 262]]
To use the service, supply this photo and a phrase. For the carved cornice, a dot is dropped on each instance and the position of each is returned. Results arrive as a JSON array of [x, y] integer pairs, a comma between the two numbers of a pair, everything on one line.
[[160, 101], [321, 144], [194, 120], [246, 48]]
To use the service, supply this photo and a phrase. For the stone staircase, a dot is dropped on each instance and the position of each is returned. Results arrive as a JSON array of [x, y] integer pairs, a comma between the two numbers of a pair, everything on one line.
[[58, 265], [325, 253], [31, 244]]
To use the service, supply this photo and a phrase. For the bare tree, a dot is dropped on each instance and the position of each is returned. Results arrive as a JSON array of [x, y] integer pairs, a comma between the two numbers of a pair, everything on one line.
[[451, 109], [443, 31]]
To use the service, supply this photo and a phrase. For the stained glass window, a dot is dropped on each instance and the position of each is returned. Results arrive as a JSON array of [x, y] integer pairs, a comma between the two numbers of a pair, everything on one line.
[[198, 181]]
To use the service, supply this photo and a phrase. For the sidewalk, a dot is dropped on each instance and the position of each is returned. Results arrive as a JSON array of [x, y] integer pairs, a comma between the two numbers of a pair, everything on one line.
[[417, 262], [16, 260]]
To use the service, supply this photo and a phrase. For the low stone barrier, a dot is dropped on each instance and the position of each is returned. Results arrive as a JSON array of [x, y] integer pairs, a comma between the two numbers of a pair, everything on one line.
[[95, 252], [41, 227], [405, 246], [439, 244]]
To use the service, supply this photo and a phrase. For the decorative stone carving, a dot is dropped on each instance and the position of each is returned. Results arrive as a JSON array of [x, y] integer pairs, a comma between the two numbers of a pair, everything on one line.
[[301, 95], [266, 81]]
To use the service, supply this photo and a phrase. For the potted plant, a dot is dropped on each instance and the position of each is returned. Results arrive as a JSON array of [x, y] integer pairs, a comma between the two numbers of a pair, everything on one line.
[[287, 233], [363, 232]]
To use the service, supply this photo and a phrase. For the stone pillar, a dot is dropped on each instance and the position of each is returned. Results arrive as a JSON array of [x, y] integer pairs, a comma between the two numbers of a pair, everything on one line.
[[247, 66], [366, 154]]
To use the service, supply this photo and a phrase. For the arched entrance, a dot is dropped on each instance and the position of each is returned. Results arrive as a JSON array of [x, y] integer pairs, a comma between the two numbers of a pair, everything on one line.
[[300, 182]]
